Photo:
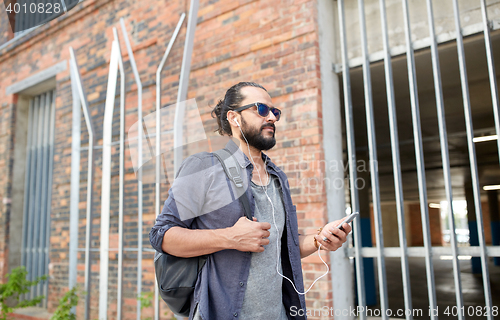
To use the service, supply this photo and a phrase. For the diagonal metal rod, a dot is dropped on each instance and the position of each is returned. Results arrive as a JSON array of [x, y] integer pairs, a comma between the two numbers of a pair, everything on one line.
[[491, 71], [76, 135], [473, 162], [396, 163], [372, 148], [444, 155], [184, 83], [466, 102], [90, 175], [158, 140], [121, 165], [138, 82], [107, 132], [351, 151]]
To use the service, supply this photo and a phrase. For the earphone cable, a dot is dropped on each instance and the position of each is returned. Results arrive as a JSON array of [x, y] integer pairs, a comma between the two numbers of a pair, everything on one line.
[[276, 226]]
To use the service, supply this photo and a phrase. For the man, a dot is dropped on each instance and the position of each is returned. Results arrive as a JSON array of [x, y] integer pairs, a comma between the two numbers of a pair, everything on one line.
[[253, 270]]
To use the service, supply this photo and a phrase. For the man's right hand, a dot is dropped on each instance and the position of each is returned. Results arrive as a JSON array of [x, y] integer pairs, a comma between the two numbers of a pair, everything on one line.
[[244, 235], [249, 236]]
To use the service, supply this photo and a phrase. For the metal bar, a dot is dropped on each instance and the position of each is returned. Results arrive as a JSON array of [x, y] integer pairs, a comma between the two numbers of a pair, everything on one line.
[[473, 160], [26, 21], [17, 23], [420, 252], [491, 71], [49, 195], [117, 142], [372, 146], [35, 19], [30, 188], [90, 177], [351, 154], [33, 189], [425, 43], [396, 163], [75, 182], [494, 98], [139, 161], [466, 102], [45, 187], [106, 181], [158, 139], [37, 212], [121, 179], [64, 6], [184, 83], [27, 184], [444, 155]]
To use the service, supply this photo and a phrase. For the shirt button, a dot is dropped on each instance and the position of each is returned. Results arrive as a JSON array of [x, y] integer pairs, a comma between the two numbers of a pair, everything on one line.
[[241, 284], [235, 314]]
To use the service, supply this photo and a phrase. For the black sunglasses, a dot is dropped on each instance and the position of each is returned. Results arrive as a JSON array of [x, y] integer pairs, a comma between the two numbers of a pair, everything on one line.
[[262, 109]]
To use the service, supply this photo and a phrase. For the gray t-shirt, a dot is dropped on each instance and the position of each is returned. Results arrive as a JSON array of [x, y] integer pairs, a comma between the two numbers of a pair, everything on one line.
[[263, 294]]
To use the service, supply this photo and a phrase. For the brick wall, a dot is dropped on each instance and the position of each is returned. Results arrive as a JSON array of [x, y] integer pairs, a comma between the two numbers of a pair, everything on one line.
[[5, 29], [7, 112], [274, 43]]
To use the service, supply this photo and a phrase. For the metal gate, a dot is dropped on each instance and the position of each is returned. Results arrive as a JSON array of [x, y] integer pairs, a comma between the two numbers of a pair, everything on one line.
[[384, 59], [38, 190]]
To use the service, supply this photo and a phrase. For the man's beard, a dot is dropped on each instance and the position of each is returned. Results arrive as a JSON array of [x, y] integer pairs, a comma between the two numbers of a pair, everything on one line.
[[255, 137]]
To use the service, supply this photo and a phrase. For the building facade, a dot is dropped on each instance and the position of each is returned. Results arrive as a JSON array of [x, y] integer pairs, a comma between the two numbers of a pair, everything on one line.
[[298, 50]]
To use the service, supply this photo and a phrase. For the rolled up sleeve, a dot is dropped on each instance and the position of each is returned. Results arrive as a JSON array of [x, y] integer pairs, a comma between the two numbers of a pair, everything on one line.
[[185, 200]]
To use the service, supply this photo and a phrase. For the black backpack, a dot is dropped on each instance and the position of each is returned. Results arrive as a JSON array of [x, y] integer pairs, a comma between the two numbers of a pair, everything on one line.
[[177, 276]]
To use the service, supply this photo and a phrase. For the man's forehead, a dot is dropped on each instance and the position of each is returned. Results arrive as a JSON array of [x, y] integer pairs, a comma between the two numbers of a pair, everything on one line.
[[254, 94]]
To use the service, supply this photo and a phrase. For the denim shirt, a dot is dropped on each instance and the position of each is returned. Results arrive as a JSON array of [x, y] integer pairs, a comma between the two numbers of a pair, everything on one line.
[[195, 202]]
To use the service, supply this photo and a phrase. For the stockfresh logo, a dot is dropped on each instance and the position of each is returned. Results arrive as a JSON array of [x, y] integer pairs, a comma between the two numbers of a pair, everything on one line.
[[26, 14]]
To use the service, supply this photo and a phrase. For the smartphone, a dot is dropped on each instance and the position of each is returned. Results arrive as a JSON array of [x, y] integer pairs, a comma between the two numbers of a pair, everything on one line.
[[348, 219]]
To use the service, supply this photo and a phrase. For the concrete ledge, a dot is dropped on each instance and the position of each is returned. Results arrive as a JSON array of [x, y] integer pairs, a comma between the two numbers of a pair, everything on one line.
[[31, 313], [36, 79]]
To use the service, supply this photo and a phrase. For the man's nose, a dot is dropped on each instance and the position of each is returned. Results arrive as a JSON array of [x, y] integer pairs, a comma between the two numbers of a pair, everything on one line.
[[271, 117]]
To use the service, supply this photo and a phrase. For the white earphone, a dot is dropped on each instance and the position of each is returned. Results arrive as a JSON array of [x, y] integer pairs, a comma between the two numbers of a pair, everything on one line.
[[276, 226]]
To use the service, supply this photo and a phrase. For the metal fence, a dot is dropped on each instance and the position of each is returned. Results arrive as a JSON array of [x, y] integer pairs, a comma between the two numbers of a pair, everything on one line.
[[403, 251], [80, 103]]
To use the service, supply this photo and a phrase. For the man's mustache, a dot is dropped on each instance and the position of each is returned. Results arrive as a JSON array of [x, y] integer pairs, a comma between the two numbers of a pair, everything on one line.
[[271, 125]]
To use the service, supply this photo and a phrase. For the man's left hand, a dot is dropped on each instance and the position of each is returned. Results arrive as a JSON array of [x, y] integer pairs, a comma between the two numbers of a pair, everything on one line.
[[335, 237]]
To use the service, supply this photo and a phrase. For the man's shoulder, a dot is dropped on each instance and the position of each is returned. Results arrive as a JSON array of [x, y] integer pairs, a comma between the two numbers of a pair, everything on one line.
[[201, 156], [196, 163]]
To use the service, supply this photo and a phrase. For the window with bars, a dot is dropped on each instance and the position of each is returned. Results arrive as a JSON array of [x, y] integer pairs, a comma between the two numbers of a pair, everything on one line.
[[37, 191], [35, 17]]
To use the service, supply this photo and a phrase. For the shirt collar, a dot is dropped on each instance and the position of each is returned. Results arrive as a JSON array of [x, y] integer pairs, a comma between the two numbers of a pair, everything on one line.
[[242, 158]]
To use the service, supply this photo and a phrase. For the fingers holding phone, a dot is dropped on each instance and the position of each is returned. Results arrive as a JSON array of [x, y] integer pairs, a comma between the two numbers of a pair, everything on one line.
[[334, 234]]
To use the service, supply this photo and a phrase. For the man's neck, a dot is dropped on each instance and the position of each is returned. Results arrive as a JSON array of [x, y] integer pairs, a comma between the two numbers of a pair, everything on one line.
[[255, 155]]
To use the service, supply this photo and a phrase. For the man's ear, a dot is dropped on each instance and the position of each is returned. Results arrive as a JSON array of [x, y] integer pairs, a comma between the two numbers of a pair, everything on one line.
[[231, 116]]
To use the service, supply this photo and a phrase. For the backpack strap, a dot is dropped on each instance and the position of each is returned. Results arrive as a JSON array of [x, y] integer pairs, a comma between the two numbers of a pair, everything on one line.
[[233, 172]]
